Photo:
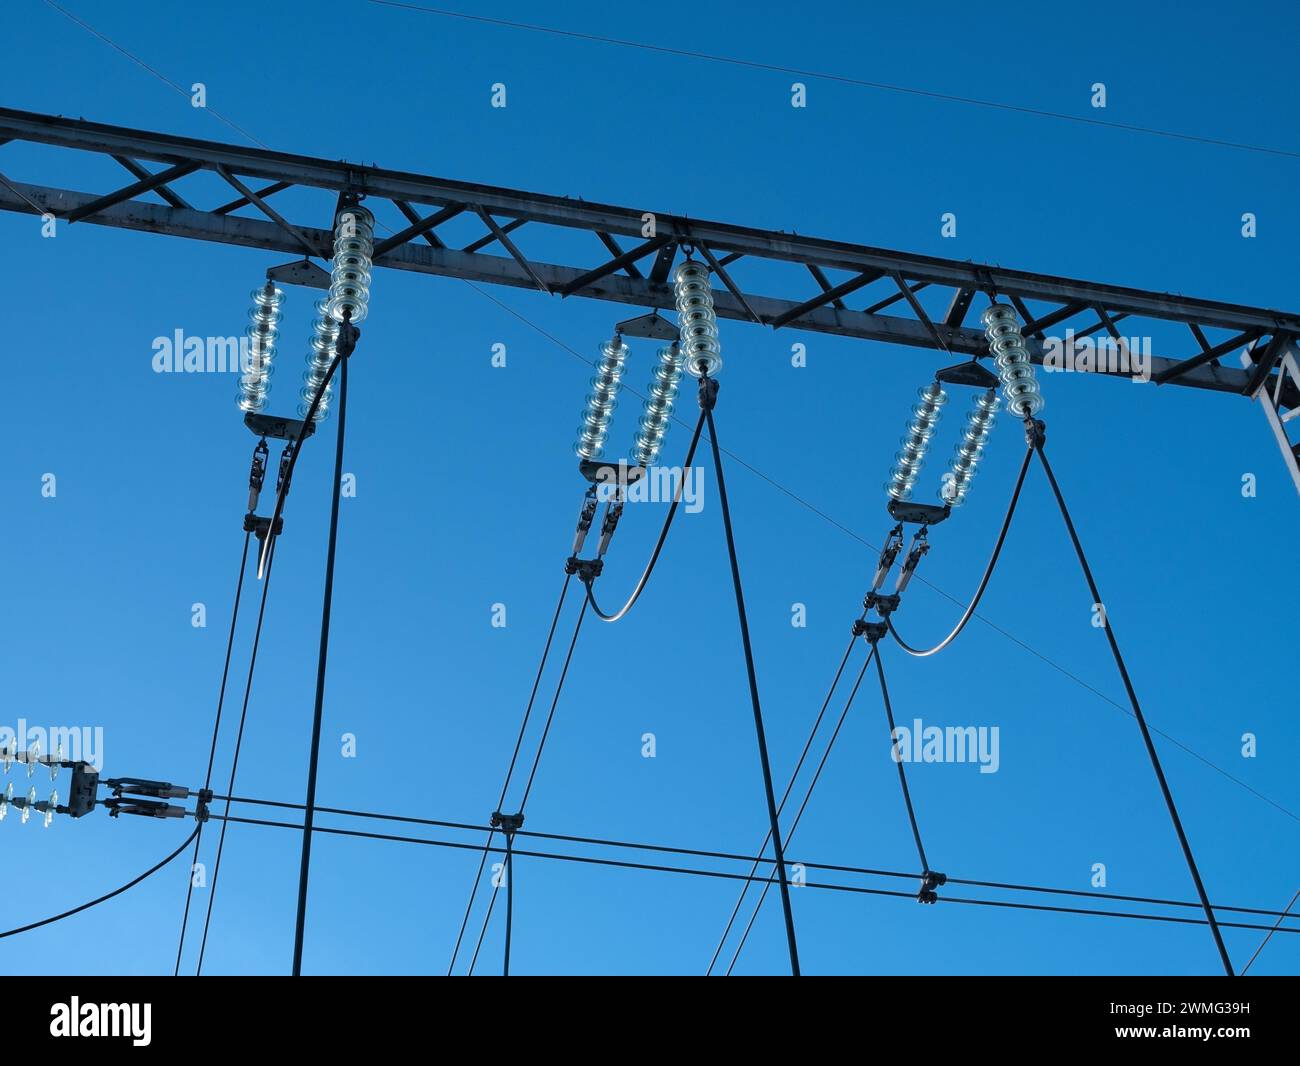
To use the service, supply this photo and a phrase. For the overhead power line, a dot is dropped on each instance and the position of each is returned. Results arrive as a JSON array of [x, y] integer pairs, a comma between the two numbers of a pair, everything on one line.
[[724, 875], [473, 827], [212, 753]]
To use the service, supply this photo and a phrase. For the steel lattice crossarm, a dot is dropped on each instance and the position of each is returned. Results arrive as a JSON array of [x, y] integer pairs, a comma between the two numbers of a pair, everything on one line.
[[883, 283]]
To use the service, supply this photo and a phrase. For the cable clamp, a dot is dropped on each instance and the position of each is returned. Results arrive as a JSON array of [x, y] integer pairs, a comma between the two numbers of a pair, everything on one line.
[[882, 604], [708, 393], [586, 569], [613, 512], [920, 546], [259, 526], [873, 631], [509, 824], [203, 797], [929, 882], [585, 517], [118, 805], [348, 336], [893, 545], [142, 786], [257, 474], [1035, 432], [281, 479]]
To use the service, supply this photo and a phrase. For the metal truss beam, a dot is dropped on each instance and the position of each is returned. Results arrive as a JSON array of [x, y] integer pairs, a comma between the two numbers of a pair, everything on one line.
[[1093, 306]]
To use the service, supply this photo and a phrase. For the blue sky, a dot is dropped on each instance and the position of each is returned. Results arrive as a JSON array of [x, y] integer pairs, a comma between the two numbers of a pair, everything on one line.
[[467, 491]]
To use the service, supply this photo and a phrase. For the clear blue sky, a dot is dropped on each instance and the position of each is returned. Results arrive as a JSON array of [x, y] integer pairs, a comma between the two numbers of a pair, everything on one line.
[[466, 491]]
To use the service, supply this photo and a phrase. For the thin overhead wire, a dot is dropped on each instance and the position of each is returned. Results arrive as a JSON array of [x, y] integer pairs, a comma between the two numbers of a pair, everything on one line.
[[234, 760], [1277, 925], [514, 756], [212, 753], [155, 72], [842, 79], [724, 875]]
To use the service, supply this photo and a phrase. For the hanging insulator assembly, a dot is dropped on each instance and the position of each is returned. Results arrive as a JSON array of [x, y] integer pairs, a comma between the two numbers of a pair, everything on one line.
[[966, 457], [907, 462], [602, 399], [658, 408], [696, 319], [1007, 343], [349, 298], [325, 335], [262, 331], [354, 245]]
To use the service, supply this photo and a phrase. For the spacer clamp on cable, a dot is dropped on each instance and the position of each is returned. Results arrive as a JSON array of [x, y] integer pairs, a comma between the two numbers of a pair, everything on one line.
[[586, 569], [203, 798], [929, 882], [509, 824], [884, 605], [873, 631]]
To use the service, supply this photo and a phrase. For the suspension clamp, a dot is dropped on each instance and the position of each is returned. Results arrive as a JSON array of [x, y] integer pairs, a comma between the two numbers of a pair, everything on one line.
[[348, 337], [893, 545], [118, 805], [929, 882], [142, 786], [585, 517], [920, 547], [282, 477], [708, 393], [509, 824], [1035, 432], [257, 474], [586, 569], [612, 514]]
